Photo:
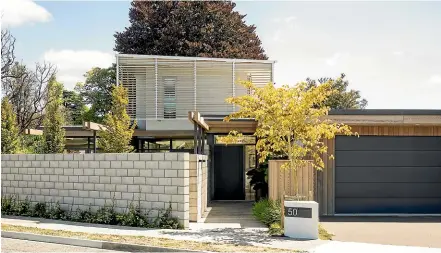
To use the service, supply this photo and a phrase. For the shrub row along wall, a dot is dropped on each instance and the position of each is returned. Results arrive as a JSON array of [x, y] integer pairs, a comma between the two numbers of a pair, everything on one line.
[[152, 180]]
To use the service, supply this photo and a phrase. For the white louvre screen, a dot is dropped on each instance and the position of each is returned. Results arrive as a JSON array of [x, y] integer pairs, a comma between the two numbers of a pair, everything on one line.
[[170, 87], [169, 97]]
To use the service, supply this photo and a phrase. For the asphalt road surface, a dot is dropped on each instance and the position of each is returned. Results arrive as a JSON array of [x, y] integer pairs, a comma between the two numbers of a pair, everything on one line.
[[14, 245]]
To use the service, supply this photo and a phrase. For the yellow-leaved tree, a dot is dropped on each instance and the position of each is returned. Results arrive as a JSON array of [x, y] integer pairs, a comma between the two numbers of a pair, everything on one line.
[[117, 136], [291, 122]]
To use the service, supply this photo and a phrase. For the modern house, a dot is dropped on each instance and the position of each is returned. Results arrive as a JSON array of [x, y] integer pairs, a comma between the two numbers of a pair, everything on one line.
[[393, 167]]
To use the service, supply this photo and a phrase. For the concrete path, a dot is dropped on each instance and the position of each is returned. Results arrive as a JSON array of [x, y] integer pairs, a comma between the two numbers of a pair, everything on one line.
[[229, 214], [405, 231]]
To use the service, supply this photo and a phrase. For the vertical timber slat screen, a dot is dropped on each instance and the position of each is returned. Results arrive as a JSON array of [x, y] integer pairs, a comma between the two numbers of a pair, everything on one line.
[[283, 179]]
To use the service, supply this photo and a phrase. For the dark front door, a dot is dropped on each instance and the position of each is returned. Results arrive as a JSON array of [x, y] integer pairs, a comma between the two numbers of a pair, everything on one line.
[[229, 173], [388, 174]]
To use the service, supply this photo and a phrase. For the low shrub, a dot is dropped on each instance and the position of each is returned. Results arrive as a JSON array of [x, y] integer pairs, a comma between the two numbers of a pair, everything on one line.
[[133, 217], [40, 210], [276, 229], [8, 205], [166, 220], [105, 215], [267, 211]]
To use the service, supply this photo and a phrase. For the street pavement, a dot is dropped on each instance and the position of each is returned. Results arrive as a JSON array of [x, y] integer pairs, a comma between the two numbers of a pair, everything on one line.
[[15, 245]]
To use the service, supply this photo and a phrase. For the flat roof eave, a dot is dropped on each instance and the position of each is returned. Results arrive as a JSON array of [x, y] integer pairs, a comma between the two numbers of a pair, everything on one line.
[[191, 58], [422, 112]]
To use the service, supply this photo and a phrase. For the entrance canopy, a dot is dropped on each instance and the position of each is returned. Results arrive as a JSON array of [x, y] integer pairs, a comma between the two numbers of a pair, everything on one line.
[[215, 124], [79, 137]]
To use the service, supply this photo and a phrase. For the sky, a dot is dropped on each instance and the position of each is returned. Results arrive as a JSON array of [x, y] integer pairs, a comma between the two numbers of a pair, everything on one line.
[[389, 51]]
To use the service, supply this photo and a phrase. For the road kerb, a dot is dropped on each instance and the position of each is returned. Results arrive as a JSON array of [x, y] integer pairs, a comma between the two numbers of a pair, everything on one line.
[[88, 243]]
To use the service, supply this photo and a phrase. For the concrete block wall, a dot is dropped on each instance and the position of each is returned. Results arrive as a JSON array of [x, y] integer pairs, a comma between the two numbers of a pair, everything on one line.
[[198, 186], [152, 180]]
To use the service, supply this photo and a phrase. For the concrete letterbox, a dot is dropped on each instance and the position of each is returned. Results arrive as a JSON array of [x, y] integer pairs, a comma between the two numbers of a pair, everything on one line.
[[301, 219]]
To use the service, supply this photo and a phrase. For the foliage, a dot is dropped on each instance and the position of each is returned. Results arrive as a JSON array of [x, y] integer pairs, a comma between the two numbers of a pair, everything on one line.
[[32, 144], [106, 215], [10, 205], [267, 211], [9, 132], [25, 87], [290, 122], [166, 220], [96, 92], [8, 54], [40, 210], [133, 218], [324, 234], [342, 98], [24, 207], [276, 229], [259, 179], [55, 211], [75, 109], [189, 28], [27, 91], [118, 134], [53, 132]]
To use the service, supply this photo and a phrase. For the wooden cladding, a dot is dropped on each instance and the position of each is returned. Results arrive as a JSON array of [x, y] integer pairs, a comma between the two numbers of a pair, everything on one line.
[[387, 120], [325, 180], [281, 181], [398, 130], [325, 194]]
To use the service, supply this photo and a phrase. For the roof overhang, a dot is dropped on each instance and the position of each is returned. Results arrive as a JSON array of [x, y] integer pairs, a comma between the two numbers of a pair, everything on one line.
[[365, 117], [386, 117], [85, 130], [129, 57]]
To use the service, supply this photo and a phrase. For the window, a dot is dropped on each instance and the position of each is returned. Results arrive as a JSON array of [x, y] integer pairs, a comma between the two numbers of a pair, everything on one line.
[[169, 97], [183, 144], [168, 145]]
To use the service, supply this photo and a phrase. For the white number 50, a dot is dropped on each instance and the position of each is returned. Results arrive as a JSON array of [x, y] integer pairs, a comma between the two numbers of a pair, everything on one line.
[[292, 212]]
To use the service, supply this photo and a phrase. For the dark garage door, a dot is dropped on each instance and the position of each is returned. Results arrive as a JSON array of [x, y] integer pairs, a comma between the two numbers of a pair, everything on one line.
[[388, 174]]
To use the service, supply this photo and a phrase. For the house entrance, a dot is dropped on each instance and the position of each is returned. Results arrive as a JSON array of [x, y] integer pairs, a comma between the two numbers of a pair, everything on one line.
[[231, 162], [229, 176]]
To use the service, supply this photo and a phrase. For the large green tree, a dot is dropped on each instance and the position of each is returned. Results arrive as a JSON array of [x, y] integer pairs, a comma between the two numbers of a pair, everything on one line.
[[96, 91], [341, 98], [10, 137], [117, 136], [189, 28], [53, 131], [75, 109]]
